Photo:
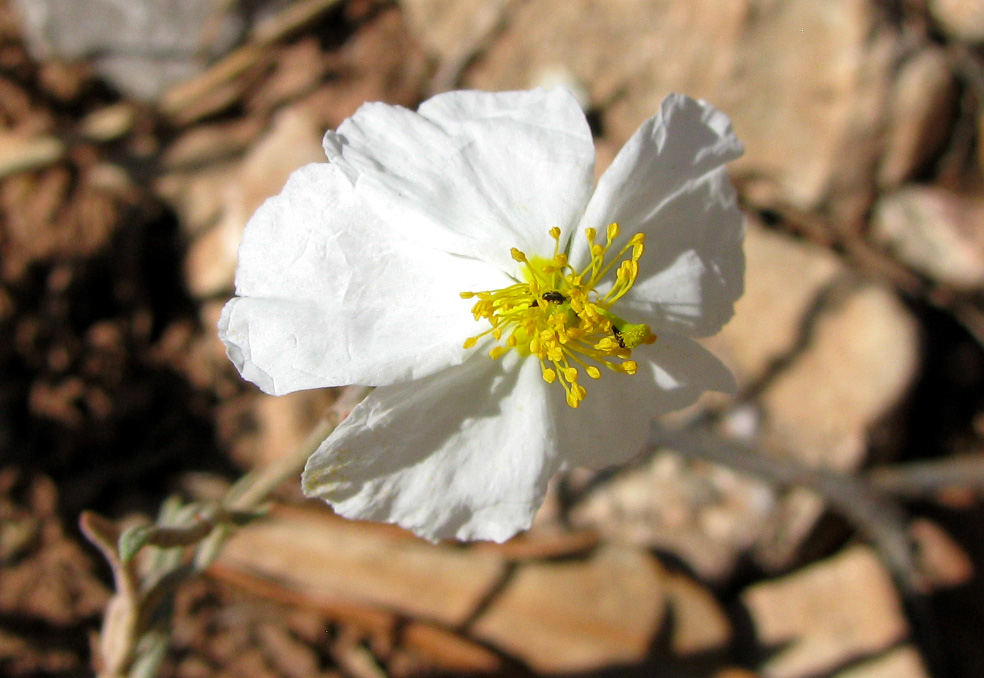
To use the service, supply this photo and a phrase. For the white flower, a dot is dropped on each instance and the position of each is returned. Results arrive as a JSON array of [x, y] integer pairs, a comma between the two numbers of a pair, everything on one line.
[[389, 266]]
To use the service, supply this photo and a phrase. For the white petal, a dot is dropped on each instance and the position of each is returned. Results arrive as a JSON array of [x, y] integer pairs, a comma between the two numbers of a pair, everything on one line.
[[693, 269], [493, 170], [330, 294], [465, 453], [668, 182], [612, 423]]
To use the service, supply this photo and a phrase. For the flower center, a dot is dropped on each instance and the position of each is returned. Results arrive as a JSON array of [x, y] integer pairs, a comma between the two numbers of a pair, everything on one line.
[[558, 315]]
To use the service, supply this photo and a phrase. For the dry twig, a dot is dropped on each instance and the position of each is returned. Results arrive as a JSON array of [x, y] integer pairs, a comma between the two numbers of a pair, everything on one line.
[[874, 515]]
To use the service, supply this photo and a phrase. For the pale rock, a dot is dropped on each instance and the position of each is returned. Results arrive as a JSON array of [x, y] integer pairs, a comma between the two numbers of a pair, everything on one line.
[[705, 514], [293, 141], [26, 154], [108, 123], [141, 46], [824, 615], [859, 360], [935, 231], [901, 662], [783, 278], [324, 557], [942, 561], [197, 197], [923, 100], [962, 19], [211, 262], [565, 617], [699, 624], [831, 63]]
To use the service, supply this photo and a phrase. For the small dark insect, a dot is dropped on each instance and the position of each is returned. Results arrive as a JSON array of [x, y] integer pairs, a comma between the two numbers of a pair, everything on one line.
[[618, 336], [554, 296]]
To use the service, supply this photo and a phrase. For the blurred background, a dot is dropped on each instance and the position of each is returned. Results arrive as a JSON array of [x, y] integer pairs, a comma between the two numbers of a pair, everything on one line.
[[843, 538]]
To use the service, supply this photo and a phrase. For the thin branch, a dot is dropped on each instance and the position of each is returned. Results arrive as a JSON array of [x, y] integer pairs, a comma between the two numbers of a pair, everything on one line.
[[875, 516], [919, 480]]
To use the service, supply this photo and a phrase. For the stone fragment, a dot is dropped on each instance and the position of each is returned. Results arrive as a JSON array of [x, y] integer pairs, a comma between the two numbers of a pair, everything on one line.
[[27, 154], [942, 561], [922, 104], [962, 19], [705, 514], [860, 357], [141, 46], [565, 617], [901, 662], [832, 63], [315, 553], [699, 623], [197, 197], [935, 231], [783, 278], [109, 123], [827, 614]]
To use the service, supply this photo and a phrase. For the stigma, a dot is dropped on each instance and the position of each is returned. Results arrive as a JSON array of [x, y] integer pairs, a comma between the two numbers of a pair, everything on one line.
[[558, 316]]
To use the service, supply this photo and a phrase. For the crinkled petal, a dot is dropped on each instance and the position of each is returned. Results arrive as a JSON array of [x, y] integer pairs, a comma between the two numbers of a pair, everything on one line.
[[692, 275], [492, 170], [331, 294], [465, 453], [612, 422], [668, 182]]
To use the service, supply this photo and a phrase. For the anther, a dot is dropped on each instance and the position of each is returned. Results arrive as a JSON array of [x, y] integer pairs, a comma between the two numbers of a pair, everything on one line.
[[613, 230]]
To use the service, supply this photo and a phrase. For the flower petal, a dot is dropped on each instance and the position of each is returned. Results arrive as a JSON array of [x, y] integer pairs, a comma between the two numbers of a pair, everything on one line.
[[492, 170], [668, 182], [672, 374], [331, 294], [465, 453], [691, 277]]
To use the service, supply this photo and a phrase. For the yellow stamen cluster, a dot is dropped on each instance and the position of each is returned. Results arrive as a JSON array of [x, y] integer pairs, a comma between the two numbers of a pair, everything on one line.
[[558, 315]]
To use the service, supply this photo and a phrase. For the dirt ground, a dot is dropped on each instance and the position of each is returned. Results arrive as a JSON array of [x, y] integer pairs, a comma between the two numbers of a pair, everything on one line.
[[118, 224]]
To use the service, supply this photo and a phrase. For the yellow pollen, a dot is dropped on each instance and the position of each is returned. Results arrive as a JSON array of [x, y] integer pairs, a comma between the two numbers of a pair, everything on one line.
[[557, 315]]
